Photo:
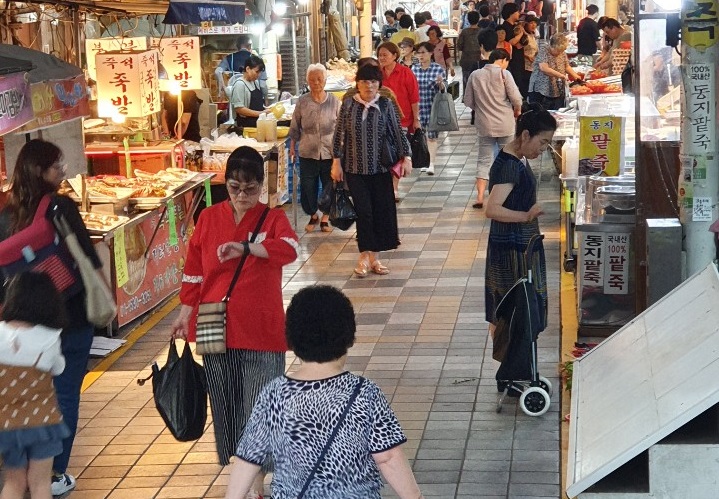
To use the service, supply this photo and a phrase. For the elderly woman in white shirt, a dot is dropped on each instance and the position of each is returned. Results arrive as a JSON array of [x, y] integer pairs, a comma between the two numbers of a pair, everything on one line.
[[313, 125], [493, 94]]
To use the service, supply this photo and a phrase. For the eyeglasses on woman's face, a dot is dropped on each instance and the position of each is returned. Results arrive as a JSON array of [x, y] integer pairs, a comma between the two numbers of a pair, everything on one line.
[[248, 189]]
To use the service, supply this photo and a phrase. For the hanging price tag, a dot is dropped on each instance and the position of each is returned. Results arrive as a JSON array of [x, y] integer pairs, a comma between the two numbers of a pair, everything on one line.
[[128, 163], [208, 193], [120, 257], [172, 222]]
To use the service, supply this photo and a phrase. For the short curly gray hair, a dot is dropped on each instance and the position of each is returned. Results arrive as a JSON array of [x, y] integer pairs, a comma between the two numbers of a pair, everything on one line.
[[316, 67]]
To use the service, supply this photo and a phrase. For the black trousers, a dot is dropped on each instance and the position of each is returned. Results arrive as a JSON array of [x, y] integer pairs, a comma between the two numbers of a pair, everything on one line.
[[312, 170], [373, 198]]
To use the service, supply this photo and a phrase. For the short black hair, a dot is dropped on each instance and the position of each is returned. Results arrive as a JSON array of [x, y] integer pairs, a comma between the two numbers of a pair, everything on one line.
[[320, 324], [500, 27], [488, 39], [419, 18], [33, 298], [508, 10], [592, 9], [483, 11], [368, 72], [405, 22], [535, 120], [436, 30], [245, 164], [253, 62], [390, 13], [399, 9], [243, 41], [499, 54], [609, 22]]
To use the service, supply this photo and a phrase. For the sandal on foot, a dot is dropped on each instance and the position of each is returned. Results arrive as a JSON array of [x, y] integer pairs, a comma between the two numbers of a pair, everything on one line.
[[379, 269], [477, 206], [362, 269], [325, 227], [314, 220]]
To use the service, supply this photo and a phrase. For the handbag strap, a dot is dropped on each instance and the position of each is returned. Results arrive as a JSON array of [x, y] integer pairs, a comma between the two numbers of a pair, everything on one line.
[[244, 256], [331, 438]]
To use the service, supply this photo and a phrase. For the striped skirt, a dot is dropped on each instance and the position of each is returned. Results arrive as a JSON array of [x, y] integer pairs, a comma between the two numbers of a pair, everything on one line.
[[234, 381]]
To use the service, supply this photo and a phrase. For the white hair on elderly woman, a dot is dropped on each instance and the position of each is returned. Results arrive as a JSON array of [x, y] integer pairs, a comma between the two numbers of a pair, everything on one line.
[[316, 67]]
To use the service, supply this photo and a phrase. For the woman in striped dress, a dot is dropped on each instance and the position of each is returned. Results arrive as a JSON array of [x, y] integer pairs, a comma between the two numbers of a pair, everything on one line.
[[430, 79], [512, 206]]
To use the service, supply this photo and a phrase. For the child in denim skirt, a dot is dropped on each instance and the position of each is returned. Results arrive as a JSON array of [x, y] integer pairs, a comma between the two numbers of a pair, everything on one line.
[[31, 426]]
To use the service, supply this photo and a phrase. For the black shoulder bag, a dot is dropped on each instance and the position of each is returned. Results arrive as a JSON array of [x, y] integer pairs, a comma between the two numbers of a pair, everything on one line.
[[212, 317]]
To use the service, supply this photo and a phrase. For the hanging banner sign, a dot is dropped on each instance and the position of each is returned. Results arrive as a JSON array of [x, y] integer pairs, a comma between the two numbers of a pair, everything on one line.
[[194, 12], [180, 56], [699, 115], [207, 28], [57, 101], [127, 84], [601, 145], [15, 102], [700, 11], [101, 45], [616, 278]]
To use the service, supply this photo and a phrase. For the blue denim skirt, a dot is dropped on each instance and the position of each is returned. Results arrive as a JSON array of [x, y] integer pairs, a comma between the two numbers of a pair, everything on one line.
[[21, 445]]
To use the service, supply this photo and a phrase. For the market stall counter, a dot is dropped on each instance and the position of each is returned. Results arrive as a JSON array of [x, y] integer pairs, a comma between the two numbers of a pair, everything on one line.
[[146, 252]]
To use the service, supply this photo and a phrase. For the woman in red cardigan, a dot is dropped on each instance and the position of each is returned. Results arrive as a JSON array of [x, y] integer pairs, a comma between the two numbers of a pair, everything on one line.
[[256, 343]]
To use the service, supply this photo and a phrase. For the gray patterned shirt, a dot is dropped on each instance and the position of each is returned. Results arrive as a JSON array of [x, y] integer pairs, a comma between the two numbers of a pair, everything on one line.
[[313, 125]]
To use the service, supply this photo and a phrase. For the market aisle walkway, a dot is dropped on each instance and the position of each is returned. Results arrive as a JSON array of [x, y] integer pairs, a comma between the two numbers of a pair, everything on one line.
[[421, 337]]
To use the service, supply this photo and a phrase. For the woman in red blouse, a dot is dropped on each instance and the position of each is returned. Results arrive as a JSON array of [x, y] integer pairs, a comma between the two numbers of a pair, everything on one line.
[[256, 343], [403, 83]]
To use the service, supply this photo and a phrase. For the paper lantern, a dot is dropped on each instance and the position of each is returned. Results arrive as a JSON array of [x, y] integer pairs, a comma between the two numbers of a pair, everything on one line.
[[127, 84], [96, 46], [180, 57]]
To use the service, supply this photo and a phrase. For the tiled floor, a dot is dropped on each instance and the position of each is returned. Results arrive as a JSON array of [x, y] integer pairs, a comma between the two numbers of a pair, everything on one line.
[[421, 337]]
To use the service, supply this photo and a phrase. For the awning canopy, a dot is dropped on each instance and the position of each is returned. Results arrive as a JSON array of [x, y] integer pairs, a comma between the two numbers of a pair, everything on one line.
[[194, 12], [120, 6]]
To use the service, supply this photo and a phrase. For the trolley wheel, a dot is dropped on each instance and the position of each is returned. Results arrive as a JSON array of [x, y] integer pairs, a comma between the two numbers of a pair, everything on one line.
[[570, 265], [545, 384], [534, 401]]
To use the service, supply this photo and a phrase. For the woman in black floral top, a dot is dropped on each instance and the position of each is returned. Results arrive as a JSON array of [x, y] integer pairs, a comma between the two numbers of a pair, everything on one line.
[[365, 122], [321, 406]]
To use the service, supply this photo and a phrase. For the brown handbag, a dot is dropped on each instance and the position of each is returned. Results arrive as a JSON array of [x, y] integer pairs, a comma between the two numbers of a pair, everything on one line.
[[211, 336], [28, 398]]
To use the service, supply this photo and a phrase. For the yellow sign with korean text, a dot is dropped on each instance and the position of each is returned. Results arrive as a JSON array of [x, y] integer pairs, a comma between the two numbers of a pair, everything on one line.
[[120, 257], [601, 145]]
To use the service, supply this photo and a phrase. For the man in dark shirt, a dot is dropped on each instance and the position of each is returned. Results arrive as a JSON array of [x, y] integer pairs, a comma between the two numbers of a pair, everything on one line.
[[517, 38], [485, 20], [189, 126], [588, 32]]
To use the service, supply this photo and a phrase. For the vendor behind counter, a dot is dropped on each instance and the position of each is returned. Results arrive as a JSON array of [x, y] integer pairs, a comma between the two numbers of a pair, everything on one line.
[[246, 98], [189, 123]]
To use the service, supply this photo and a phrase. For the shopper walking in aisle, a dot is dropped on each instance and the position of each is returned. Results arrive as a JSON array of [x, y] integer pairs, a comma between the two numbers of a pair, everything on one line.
[[32, 318], [551, 70], [430, 79], [313, 125], [495, 98], [407, 57], [485, 19], [391, 26], [517, 38], [405, 31], [468, 45], [361, 435], [402, 82], [421, 27], [530, 53], [440, 50], [513, 208], [39, 170], [255, 317], [365, 122]]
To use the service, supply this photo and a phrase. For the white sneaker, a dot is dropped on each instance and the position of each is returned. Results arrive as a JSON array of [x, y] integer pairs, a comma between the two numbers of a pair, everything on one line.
[[423, 170], [62, 483], [430, 170]]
